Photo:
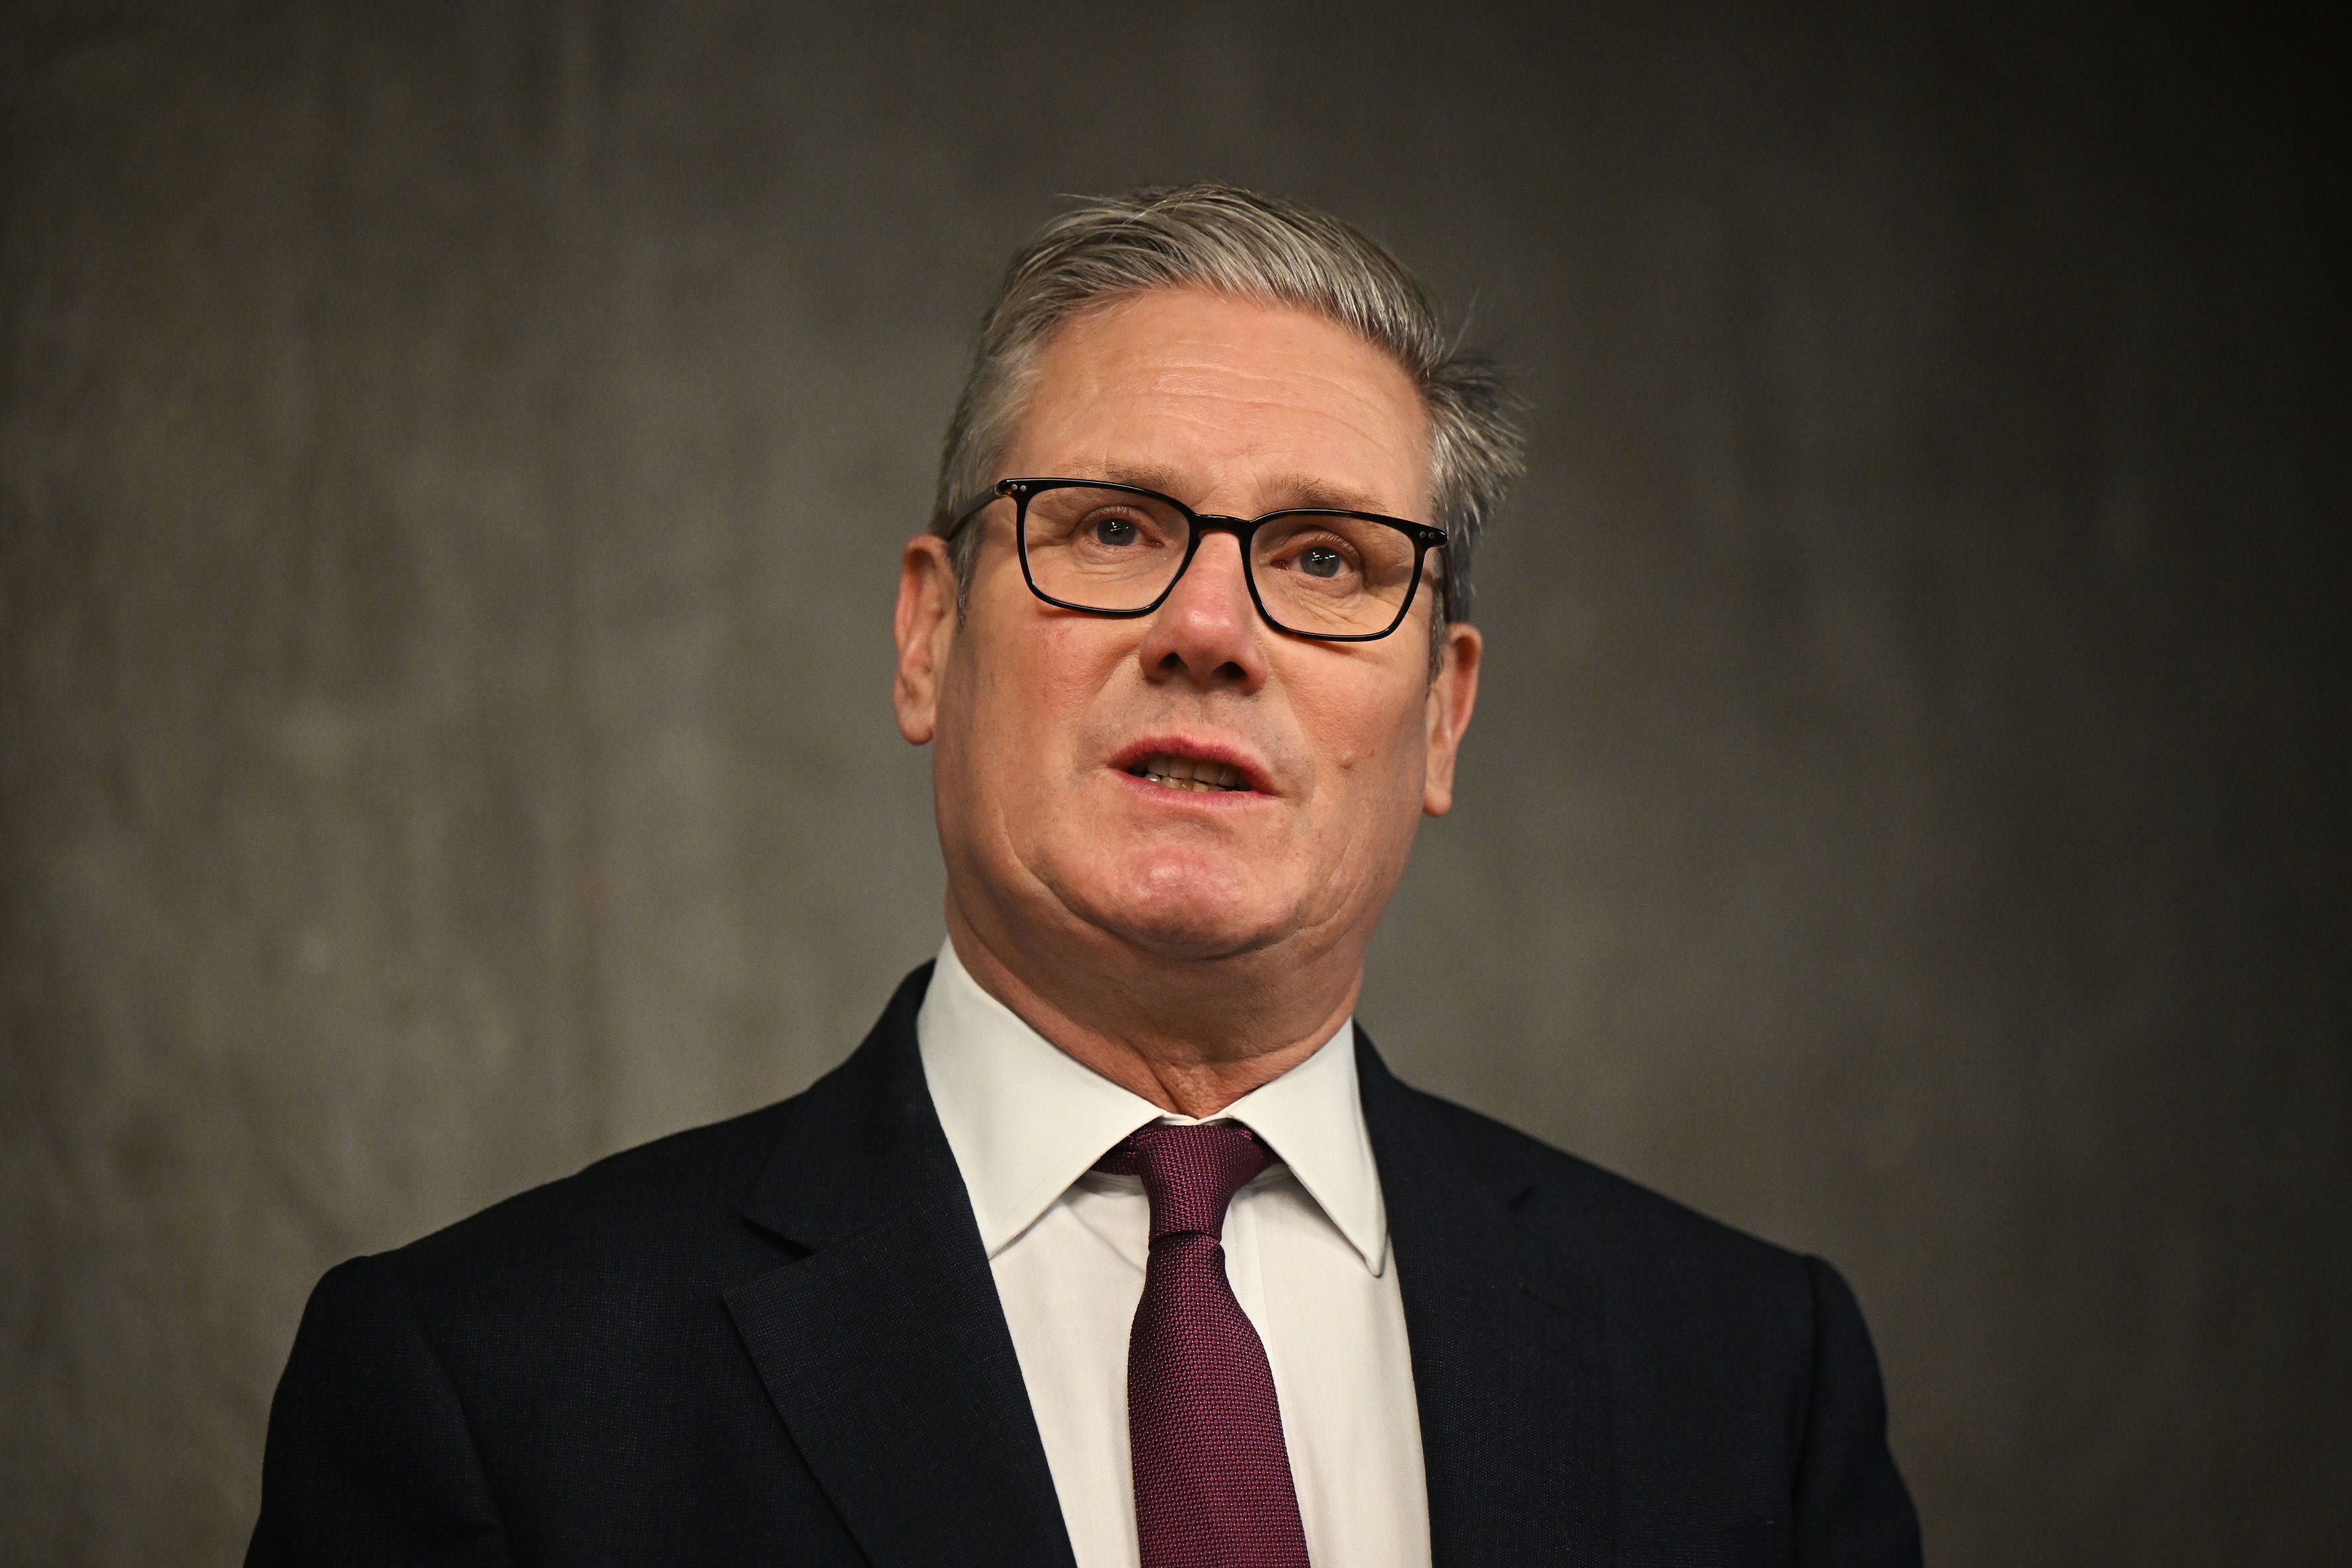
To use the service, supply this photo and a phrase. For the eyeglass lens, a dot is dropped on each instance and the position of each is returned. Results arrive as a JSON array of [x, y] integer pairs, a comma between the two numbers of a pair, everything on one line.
[[1110, 549]]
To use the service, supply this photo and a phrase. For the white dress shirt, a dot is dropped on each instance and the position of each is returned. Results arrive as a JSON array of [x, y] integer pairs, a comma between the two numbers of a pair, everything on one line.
[[1306, 1249]]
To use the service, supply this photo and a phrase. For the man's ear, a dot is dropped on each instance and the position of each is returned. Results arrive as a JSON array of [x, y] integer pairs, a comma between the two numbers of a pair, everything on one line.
[[1453, 692], [925, 626]]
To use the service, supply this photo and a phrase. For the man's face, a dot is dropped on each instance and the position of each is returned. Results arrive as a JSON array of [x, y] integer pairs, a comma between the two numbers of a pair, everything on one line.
[[1046, 721]]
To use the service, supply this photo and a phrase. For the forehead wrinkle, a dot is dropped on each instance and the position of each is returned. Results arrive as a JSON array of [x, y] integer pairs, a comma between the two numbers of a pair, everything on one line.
[[1308, 383]]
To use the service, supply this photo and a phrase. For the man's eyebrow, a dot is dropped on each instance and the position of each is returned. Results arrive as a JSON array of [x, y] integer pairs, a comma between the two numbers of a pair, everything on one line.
[[1281, 491], [1145, 475], [1305, 490]]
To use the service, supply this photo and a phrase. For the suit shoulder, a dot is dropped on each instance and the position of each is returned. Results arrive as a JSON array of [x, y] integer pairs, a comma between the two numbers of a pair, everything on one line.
[[1571, 1201], [668, 1209]]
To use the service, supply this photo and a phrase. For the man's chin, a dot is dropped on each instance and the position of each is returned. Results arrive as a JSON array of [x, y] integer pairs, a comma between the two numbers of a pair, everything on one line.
[[1181, 929], [1195, 944]]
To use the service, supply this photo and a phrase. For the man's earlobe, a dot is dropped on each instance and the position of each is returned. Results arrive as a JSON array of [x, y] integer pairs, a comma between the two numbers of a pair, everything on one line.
[[924, 627]]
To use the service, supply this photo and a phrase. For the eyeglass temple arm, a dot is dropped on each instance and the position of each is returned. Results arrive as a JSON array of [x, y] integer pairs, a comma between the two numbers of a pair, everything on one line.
[[972, 508]]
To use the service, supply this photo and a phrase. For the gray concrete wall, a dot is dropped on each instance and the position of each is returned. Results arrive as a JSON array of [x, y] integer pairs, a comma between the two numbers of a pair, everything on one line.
[[451, 462]]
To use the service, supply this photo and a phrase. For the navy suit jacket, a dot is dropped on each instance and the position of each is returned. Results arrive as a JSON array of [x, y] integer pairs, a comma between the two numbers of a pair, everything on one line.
[[776, 1341]]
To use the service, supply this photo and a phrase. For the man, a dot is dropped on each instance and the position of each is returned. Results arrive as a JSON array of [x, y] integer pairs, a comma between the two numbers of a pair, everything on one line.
[[1115, 1243]]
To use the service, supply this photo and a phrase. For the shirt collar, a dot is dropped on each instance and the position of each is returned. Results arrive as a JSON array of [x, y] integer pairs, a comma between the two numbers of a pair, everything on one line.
[[1024, 1119]]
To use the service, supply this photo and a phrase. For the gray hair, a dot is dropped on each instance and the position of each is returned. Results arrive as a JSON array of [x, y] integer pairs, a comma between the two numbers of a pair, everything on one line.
[[1251, 246]]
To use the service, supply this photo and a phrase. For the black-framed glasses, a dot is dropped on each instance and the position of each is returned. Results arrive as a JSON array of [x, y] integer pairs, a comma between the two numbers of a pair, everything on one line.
[[1119, 550]]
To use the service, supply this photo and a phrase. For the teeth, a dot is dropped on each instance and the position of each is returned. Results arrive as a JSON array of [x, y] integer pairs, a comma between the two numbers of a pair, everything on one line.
[[1193, 773]]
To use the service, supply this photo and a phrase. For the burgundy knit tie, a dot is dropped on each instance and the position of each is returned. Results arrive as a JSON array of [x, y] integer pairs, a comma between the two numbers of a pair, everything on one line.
[[1212, 1476]]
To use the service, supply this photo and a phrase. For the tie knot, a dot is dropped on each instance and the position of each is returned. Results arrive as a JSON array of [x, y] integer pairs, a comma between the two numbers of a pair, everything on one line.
[[1190, 1173]]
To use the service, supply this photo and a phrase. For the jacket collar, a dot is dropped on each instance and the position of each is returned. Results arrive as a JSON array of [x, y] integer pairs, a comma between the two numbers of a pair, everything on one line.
[[884, 1347]]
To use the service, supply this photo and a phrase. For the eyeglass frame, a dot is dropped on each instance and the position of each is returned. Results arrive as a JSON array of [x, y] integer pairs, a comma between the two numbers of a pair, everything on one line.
[[1425, 538]]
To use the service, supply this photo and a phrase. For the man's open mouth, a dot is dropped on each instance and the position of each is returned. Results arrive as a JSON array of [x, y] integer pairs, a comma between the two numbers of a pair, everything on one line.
[[1195, 773]]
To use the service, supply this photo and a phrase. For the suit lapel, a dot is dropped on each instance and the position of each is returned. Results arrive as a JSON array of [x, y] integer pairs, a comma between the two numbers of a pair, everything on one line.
[[1509, 1359], [885, 1347]]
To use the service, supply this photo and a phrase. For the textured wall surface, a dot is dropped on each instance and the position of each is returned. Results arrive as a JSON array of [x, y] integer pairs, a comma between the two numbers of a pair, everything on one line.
[[452, 460]]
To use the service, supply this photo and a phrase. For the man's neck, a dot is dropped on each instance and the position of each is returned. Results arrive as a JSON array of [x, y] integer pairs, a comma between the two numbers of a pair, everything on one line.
[[1224, 1048]]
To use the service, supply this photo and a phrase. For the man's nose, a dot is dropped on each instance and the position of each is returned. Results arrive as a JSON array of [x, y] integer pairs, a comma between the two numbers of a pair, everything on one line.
[[1207, 631]]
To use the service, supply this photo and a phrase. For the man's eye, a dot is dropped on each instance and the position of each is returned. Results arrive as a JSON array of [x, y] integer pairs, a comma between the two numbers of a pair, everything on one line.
[[1320, 560], [1117, 532]]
